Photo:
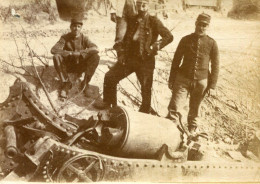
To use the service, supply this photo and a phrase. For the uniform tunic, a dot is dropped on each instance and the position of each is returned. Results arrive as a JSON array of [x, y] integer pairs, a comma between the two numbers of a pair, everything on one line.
[[190, 75]]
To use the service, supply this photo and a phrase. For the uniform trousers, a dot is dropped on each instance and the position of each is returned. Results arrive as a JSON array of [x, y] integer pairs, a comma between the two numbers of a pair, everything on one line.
[[144, 74], [182, 89], [121, 26], [70, 64]]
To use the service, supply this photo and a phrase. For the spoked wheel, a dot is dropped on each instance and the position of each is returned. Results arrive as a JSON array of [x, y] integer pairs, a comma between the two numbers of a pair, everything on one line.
[[82, 168]]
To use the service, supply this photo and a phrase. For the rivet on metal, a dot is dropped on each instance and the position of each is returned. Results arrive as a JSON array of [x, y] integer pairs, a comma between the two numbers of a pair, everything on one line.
[[153, 165], [18, 97], [175, 166], [62, 150], [13, 99], [26, 88], [112, 162], [201, 166], [47, 180], [41, 107], [161, 165], [129, 164], [230, 167], [45, 167], [168, 166], [44, 172], [188, 166], [68, 151], [46, 113], [214, 167], [4, 107], [145, 165], [207, 166], [73, 153], [137, 165], [35, 101], [47, 163], [45, 177], [9, 104]]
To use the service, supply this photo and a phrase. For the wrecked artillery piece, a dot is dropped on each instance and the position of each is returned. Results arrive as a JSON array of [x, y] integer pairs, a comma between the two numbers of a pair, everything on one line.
[[115, 145]]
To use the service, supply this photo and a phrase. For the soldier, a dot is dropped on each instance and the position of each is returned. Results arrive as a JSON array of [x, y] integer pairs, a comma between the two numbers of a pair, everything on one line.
[[137, 54], [74, 53], [193, 77], [119, 13]]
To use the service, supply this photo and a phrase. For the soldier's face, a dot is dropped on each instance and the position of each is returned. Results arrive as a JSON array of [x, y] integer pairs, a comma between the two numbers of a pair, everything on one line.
[[75, 29], [142, 7], [201, 28]]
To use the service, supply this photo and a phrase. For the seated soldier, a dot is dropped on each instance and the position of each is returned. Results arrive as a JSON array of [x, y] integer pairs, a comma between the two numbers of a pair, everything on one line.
[[74, 53]]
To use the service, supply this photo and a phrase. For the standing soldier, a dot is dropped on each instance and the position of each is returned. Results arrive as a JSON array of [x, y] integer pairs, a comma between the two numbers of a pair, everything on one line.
[[193, 76], [120, 11], [74, 53], [137, 54]]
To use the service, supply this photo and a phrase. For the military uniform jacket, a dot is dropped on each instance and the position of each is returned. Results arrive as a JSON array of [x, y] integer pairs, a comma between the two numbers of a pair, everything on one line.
[[153, 27], [68, 43], [197, 53]]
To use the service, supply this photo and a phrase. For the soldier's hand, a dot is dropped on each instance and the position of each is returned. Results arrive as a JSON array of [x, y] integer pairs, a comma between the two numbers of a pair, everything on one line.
[[113, 17], [93, 50], [121, 59], [76, 54], [209, 92], [154, 48]]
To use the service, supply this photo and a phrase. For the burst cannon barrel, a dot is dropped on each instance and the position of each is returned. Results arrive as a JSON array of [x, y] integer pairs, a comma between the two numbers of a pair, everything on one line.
[[142, 135], [11, 147]]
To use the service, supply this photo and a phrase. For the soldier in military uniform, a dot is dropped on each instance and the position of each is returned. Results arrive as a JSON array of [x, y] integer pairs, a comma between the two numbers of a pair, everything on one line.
[[119, 13], [193, 76], [74, 53], [137, 54]]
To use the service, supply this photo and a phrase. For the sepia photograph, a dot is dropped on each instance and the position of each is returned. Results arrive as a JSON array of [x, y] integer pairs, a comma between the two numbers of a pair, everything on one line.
[[154, 91]]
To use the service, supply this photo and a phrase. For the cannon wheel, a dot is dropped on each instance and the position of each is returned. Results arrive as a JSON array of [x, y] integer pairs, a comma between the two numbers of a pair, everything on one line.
[[82, 168]]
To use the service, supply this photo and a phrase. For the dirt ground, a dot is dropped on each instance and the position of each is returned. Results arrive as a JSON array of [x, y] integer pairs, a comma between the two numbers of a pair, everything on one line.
[[226, 116]]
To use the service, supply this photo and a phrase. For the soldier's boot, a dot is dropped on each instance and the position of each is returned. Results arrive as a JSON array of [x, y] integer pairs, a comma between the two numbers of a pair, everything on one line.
[[65, 87], [192, 129]]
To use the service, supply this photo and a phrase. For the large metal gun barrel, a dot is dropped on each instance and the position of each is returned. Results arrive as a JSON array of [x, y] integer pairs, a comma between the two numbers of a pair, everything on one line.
[[144, 134], [11, 147]]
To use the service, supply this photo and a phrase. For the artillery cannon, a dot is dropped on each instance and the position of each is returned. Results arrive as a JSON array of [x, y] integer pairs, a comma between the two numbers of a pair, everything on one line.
[[117, 144]]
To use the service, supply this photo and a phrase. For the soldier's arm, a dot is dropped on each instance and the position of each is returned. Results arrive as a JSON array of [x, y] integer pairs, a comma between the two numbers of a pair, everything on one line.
[[214, 56], [58, 48], [166, 35], [91, 48], [176, 61]]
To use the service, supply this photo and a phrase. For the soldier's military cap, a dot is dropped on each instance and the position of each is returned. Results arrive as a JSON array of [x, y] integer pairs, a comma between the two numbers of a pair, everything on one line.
[[77, 20], [203, 17]]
